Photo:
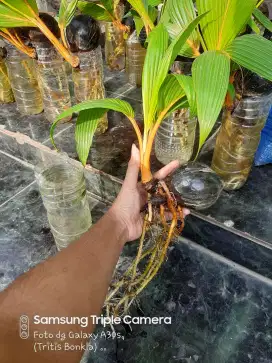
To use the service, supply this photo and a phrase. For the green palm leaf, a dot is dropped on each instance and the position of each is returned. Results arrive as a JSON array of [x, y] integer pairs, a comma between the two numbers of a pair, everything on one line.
[[186, 82], [251, 23], [108, 5], [87, 121], [225, 20], [67, 12], [170, 93], [262, 19], [139, 24], [12, 16], [26, 8], [157, 45], [95, 10], [254, 53], [211, 78], [11, 19], [180, 14], [156, 68], [142, 9], [86, 126], [153, 2]]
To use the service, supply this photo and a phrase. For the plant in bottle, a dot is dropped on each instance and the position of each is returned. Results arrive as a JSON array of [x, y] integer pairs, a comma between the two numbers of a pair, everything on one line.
[[162, 94], [83, 35], [112, 13]]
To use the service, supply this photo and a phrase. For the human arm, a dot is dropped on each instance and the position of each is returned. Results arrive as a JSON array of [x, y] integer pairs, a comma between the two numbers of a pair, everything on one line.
[[73, 283]]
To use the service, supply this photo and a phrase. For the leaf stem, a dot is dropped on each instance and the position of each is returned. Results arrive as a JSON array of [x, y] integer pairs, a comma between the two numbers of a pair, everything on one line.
[[146, 174], [259, 3], [73, 60], [19, 45], [63, 36], [139, 135]]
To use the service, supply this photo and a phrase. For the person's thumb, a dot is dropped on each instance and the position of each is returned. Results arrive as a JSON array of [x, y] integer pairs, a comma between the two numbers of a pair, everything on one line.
[[132, 174]]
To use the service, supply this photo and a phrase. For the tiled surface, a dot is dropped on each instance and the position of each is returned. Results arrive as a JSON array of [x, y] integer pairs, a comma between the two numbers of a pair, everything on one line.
[[248, 209], [25, 236], [36, 126], [14, 177], [220, 311], [252, 254]]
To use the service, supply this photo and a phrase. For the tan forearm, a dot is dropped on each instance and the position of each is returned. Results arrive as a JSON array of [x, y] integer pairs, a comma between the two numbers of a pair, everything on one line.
[[84, 269]]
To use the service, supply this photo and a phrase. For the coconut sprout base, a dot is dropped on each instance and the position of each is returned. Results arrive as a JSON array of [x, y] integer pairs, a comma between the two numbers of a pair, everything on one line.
[[156, 237]]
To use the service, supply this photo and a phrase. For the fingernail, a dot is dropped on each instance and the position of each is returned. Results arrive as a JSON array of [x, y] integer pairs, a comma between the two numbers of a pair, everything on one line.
[[134, 152]]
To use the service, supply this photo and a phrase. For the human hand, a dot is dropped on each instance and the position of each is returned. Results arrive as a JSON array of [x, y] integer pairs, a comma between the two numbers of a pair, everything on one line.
[[132, 197]]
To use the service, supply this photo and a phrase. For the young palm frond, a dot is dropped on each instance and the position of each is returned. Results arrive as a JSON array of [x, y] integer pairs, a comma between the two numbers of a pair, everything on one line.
[[24, 13]]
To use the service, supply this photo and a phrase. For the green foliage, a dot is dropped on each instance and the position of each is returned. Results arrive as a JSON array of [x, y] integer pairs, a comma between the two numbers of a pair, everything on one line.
[[89, 114], [170, 93], [254, 53], [96, 11], [254, 27], [187, 85], [211, 78], [220, 37], [86, 126], [159, 97], [144, 10], [179, 14], [66, 12], [225, 20], [157, 45], [262, 19], [139, 23], [17, 14], [153, 2], [158, 60], [24, 7], [218, 29]]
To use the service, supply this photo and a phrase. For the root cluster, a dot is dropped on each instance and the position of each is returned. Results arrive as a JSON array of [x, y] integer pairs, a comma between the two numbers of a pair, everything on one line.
[[161, 204]]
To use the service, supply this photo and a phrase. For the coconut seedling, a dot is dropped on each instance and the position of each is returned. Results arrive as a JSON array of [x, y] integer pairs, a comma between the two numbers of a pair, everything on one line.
[[228, 49], [83, 36], [116, 31], [223, 50], [25, 14], [162, 94], [104, 10]]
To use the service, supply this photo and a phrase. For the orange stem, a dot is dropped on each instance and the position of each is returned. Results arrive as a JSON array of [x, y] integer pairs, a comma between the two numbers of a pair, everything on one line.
[[23, 48], [146, 173], [139, 136], [63, 37], [73, 60]]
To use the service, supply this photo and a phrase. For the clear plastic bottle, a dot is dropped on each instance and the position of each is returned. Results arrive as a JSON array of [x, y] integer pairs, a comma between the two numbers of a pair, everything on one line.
[[135, 57], [88, 80], [63, 190], [23, 80], [238, 140], [53, 80], [175, 138], [6, 95], [115, 47]]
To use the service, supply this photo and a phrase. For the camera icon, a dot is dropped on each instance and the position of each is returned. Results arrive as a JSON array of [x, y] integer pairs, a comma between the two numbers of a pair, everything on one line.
[[24, 326]]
